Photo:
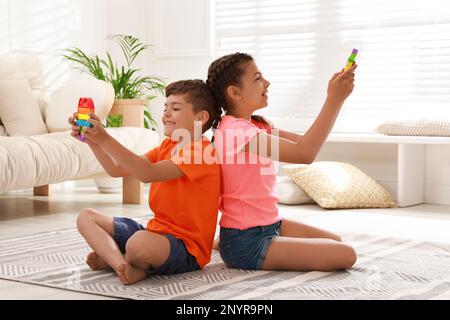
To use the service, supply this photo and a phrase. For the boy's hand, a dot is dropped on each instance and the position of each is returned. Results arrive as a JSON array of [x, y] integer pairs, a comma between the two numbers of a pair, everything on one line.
[[97, 134], [91, 135], [75, 129], [341, 84]]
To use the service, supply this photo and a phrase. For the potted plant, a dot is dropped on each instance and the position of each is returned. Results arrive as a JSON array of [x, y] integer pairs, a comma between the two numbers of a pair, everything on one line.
[[132, 91], [130, 88]]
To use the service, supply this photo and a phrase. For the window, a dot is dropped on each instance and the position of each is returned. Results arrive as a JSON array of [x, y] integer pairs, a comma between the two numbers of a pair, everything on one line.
[[404, 54]]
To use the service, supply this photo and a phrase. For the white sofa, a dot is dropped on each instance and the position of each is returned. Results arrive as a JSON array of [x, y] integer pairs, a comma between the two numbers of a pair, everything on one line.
[[36, 148]]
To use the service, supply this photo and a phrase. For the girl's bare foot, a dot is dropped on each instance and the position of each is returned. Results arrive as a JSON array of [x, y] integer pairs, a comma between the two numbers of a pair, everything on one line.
[[129, 274], [95, 262]]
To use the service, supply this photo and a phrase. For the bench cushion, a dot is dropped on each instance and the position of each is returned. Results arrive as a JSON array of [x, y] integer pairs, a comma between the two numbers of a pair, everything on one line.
[[418, 121]]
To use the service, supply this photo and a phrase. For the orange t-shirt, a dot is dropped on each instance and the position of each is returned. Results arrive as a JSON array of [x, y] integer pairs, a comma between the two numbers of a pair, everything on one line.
[[187, 207]]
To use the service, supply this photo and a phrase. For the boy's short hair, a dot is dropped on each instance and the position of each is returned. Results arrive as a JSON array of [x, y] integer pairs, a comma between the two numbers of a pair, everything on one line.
[[197, 93]]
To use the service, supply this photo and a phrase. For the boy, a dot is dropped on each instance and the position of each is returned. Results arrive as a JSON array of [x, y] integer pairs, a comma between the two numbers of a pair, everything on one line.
[[184, 194]]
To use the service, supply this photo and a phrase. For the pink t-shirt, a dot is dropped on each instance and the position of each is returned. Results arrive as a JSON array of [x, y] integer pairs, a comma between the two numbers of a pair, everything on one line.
[[248, 181]]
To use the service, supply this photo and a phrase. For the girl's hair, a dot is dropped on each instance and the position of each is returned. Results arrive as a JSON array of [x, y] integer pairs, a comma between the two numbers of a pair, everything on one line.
[[222, 73]]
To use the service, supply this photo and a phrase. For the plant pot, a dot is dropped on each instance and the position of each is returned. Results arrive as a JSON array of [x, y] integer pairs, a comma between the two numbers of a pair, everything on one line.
[[132, 111], [109, 185]]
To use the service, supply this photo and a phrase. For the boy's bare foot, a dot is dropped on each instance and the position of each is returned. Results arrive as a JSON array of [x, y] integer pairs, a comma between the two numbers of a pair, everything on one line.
[[121, 273], [134, 274], [129, 274], [95, 262]]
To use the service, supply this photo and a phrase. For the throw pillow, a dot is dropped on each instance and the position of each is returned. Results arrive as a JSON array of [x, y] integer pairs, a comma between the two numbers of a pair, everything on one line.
[[290, 193], [64, 103], [18, 109], [336, 185], [42, 100]]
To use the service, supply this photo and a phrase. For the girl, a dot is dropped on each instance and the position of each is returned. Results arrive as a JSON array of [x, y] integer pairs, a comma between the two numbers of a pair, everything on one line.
[[252, 234]]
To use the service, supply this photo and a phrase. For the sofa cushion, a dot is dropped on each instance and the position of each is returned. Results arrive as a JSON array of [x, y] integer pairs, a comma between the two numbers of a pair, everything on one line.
[[19, 110], [31, 67], [64, 103], [22, 65], [10, 69], [43, 100]]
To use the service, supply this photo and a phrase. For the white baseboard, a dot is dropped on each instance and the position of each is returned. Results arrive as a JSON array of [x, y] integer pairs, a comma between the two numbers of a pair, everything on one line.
[[434, 194], [437, 194]]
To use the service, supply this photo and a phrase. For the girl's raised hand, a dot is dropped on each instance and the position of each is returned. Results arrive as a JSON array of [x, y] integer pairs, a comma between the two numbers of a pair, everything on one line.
[[341, 84]]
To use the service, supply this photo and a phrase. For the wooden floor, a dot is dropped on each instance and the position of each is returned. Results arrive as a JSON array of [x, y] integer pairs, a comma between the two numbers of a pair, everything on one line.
[[22, 214]]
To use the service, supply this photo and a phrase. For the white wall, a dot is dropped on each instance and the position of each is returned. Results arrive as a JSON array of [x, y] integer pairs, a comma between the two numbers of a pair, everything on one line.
[[178, 33], [45, 27]]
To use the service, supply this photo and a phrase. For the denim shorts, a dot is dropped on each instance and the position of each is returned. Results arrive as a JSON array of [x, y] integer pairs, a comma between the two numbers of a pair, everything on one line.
[[247, 249], [179, 260]]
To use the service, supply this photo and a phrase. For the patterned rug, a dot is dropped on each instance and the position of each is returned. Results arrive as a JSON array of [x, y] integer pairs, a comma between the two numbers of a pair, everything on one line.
[[387, 268]]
